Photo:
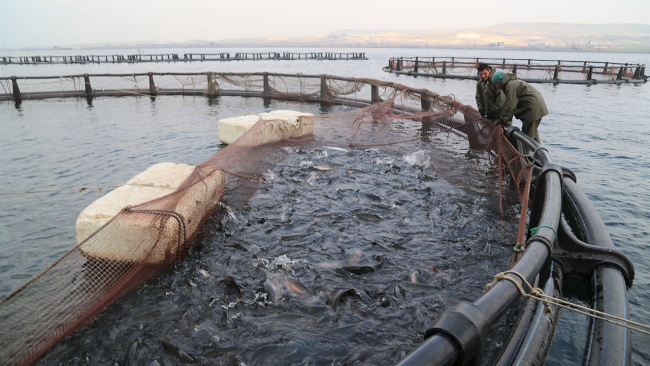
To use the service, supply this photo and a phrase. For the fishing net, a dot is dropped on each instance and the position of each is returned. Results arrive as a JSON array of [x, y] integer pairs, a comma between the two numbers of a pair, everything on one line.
[[145, 239]]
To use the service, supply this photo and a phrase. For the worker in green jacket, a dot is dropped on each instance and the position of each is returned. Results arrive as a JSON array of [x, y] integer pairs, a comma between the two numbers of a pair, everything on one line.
[[489, 99], [523, 101]]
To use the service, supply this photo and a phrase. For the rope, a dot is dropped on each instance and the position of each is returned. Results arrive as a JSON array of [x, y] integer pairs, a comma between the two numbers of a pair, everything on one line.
[[533, 291], [543, 240], [538, 294], [519, 247], [3, 86], [534, 230]]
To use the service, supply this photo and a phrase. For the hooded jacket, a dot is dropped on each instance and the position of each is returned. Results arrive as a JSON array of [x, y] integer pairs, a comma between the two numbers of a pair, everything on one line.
[[522, 100], [489, 99]]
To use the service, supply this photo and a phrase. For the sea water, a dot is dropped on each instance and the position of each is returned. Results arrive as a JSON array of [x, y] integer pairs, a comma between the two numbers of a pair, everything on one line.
[[601, 132]]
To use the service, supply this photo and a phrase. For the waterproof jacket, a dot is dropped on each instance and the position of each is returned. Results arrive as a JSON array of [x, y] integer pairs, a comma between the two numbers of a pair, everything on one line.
[[489, 99], [522, 100]]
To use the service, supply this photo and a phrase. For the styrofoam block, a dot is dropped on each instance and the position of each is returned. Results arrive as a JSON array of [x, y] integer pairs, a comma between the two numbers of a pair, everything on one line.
[[230, 129], [277, 125], [155, 182], [289, 113]]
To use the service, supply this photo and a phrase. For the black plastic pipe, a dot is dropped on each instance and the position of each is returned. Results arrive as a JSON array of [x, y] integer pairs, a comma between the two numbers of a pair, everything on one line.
[[607, 344]]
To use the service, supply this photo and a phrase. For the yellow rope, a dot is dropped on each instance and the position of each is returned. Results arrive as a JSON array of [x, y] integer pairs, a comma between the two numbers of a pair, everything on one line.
[[538, 294]]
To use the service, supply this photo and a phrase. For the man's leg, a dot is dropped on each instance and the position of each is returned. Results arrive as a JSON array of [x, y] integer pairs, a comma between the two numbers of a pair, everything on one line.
[[530, 129]]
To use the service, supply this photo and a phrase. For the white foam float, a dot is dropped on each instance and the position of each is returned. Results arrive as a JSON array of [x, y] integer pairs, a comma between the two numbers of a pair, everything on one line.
[[157, 181], [276, 126]]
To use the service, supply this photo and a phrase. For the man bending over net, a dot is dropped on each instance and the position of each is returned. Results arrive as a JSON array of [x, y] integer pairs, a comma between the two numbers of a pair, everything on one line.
[[523, 101]]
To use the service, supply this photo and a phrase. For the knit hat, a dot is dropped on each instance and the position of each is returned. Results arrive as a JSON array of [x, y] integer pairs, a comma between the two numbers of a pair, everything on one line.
[[497, 77]]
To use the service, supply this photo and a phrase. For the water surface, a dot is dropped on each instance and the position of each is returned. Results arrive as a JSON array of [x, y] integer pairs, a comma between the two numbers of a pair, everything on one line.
[[601, 132]]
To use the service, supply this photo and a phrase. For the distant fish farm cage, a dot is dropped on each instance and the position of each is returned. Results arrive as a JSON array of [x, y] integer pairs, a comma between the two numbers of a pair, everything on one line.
[[529, 70], [313, 88], [531, 190], [175, 57]]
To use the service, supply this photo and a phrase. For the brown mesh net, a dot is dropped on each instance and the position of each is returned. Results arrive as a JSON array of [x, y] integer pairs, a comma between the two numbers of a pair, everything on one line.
[[147, 238]]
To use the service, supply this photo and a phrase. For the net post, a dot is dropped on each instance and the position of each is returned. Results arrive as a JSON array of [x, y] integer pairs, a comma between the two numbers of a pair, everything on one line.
[[514, 69], [152, 86], [16, 91], [266, 92], [415, 69], [374, 94], [427, 121], [556, 73], [399, 64], [89, 89], [590, 72], [325, 97], [444, 67], [637, 72], [212, 90], [620, 74]]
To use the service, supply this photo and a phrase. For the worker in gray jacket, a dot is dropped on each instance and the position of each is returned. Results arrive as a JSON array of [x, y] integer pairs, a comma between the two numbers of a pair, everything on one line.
[[489, 99], [523, 101]]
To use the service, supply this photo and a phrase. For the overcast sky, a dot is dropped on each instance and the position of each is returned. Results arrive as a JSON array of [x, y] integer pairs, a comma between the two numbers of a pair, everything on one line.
[[30, 23]]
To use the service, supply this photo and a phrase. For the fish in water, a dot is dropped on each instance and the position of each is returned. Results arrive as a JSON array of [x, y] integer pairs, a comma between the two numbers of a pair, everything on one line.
[[132, 356], [369, 217], [232, 285], [418, 321], [335, 148], [312, 177], [273, 288], [177, 352], [278, 287], [359, 270], [416, 277], [336, 296], [362, 269], [295, 286], [323, 168], [399, 298]]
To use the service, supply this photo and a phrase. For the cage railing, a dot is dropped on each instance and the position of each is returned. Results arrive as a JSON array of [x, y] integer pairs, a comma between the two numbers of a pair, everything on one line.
[[534, 70]]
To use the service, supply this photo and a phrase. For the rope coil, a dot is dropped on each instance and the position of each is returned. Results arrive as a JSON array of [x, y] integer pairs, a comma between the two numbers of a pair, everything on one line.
[[534, 230], [543, 239]]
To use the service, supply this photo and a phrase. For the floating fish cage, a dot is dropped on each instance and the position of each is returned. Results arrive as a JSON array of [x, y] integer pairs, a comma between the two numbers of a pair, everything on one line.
[[175, 57], [557, 230], [529, 70]]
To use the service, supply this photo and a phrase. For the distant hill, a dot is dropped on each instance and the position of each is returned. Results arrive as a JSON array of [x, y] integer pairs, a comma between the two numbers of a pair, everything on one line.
[[533, 36], [544, 36]]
